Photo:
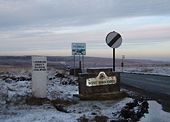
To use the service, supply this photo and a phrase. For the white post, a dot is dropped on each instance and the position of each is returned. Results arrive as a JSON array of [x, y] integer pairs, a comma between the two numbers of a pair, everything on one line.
[[39, 76]]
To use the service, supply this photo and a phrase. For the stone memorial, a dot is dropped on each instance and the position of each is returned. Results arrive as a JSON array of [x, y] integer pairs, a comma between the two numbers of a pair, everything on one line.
[[39, 76], [99, 84]]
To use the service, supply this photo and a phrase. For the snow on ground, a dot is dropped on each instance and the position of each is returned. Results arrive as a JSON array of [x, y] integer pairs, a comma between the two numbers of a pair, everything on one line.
[[159, 70], [48, 113], [13, 91], [58, 87], [35, 114], [13, 109], [89, 109]]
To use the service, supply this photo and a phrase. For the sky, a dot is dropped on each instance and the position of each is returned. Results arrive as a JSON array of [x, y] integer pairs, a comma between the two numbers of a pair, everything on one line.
[[49, 27]]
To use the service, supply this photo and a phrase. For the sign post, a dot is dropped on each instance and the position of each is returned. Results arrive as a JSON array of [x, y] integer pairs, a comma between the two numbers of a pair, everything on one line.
[[113, 40], [114, 62], [39, 76], [122, 64], [80, 50]]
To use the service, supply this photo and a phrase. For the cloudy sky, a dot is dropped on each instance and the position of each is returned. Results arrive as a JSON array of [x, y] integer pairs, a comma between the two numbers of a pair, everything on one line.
[[48, 27]]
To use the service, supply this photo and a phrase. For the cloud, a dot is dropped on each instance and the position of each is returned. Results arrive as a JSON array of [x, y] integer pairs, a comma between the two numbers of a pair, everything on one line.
[[49, 26], [154, 32], [22, 13]]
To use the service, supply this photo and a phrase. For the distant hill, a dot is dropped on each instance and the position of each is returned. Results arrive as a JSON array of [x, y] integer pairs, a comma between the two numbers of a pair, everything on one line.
[[62, 61]]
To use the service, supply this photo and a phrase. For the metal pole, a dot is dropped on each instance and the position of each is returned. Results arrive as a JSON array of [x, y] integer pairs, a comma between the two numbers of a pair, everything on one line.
[[83, 62], [123, 57], [74, 64], [122, 64], [79, 62], [113, 60]]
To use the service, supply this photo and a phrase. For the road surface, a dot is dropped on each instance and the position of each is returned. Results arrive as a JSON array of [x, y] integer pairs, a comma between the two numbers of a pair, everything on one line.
[[151, 83]]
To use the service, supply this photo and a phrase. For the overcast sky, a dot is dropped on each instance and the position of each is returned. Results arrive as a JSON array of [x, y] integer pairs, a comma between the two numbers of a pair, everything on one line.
[[48, 27]]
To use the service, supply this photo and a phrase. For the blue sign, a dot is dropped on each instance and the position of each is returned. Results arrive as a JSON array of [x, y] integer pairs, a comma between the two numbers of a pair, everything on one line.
[[78, 48]]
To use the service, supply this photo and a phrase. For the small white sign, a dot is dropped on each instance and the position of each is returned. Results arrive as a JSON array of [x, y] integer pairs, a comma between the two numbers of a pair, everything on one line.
[[78, 48], [101, 79], [39, 76]]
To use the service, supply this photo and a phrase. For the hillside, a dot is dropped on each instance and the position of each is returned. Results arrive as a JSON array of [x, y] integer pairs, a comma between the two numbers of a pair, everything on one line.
[[68, 60]]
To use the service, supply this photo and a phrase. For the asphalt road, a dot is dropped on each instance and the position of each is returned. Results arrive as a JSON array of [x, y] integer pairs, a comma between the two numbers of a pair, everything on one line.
[[150, 83]]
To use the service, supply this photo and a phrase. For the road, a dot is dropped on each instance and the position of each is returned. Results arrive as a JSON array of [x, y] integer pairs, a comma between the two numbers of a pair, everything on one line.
[[150, 83]]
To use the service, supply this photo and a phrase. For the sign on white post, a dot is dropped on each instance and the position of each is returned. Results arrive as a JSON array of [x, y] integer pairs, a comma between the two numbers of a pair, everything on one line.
[[39, 76]]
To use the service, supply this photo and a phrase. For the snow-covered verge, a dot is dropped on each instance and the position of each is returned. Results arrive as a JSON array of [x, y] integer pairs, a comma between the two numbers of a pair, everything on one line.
[[15, 88], [159, 70], [47, 113], [35, 114]]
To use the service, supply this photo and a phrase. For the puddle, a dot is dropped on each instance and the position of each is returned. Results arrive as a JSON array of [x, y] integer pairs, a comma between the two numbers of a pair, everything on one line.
[[156, 114]]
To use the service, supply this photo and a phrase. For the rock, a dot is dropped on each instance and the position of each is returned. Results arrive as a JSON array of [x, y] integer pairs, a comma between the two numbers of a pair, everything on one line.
[[121, 120], [125, 113], [83, 119], [4, 77], [14, 78], [71, 82], [100, 119], [145, 104], [135, 110], [79, 112], [59, 75], [144, 107], [133, 104], [93, 113], [141, 99], [64, 82], [29, 79], [139, 114], [50, 78], [8, 80], [22, 79], [96, 107], [60, 108], [67, 81]]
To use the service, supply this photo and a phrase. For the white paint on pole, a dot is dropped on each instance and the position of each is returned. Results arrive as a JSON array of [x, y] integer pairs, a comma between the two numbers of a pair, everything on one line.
[[39, 76]]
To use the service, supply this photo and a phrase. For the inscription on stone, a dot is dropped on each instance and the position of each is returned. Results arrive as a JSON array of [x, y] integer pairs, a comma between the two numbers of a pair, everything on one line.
[[101, 79], [39, 65]]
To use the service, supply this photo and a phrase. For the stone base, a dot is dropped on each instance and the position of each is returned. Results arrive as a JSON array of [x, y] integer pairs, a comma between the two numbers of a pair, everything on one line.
[[104, 96]]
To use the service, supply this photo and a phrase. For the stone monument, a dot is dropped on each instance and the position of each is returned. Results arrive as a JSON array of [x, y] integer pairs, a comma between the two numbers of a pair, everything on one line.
[[39, 76]]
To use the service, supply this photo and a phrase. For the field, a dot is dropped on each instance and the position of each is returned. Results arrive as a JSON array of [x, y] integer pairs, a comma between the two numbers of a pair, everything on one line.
[[17, 103]]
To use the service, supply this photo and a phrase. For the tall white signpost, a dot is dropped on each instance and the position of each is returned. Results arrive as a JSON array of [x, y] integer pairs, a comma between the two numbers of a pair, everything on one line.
[[39, 76]]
